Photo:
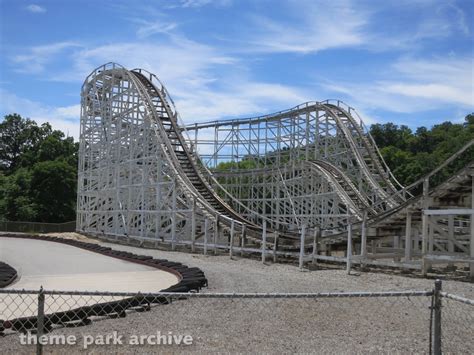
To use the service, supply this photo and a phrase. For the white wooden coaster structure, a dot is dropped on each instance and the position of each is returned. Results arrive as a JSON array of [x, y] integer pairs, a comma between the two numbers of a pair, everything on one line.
[[287, 184]]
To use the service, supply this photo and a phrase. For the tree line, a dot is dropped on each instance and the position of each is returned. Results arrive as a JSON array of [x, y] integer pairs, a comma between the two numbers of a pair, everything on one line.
[[38, 165], [38, 172], [413, 154]]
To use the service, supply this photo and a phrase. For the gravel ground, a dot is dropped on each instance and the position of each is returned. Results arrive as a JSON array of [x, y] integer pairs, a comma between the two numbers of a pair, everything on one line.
[[369, 325]]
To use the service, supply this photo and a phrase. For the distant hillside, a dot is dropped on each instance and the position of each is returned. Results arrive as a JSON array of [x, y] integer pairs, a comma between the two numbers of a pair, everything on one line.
[[410, 154]]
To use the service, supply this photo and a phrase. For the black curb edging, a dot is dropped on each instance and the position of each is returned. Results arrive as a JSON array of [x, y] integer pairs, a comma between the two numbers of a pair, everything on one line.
[[190, 280], [7, 274]]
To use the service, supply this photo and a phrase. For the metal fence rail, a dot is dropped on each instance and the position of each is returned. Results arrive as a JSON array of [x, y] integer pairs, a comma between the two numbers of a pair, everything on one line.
[[401, 321]]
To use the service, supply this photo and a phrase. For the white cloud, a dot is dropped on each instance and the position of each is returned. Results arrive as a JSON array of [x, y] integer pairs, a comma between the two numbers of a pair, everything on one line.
[[37, 57], [65, 118], [208, 83], [415, 85], [310, 26], [243, 98], [417, 24], [205, 83], [200, 3], [36, 9], [148, 28], [180, 60]]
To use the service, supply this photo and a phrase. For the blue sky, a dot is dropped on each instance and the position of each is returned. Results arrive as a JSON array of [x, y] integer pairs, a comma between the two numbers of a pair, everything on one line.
[[405, 61]]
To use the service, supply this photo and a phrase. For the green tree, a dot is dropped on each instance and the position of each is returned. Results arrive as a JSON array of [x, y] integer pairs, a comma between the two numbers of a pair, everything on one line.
[[38, 172], [18, 135], [53, 189], [16, 202], [410, 156]]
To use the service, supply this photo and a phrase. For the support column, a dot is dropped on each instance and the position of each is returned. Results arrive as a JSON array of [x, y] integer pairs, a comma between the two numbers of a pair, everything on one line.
[[408, 241], [396, 245], [450, 242], [216, 234], [173, 219], [206, 234], [242, 241], [416, 240], [431, 221], [450, 245], [424, 229], [193, 227], [314, 256], [275, 247], [363, 242], [231, 243], [264, 240], [349, 248], [301, 261], [424, 219]]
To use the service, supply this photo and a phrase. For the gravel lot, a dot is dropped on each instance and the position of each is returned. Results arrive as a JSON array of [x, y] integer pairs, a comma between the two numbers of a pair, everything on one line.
[[369, 325]]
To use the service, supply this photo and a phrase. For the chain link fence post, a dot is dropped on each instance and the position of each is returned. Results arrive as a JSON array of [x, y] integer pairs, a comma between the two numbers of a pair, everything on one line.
[[437, 318], [40, 322]]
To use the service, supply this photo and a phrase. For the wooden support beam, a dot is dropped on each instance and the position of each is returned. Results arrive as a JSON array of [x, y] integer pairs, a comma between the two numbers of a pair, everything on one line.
[[408, 241], [242, 241], [396, 246], [416, 240], [449, 212], [363, 242], [302, 238], [373, 246], [206, 234], [424, 219], [264, 240], [349, 248], [275, 247], [231, 242], [314, 255], [193, 227], [431, 222], [216, 234], [173, 218]]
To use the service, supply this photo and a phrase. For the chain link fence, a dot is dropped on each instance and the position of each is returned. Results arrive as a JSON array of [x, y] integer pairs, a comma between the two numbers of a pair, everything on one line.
[[37, 227], [368, 322], [457, 324]]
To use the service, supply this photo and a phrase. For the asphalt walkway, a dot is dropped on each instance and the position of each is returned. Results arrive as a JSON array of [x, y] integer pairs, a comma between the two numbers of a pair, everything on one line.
[[57, 266]]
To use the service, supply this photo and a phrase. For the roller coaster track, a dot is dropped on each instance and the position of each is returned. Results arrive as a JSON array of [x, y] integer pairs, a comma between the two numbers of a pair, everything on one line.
[[452, 185], [345, 188], [180, 155], [372, 156], [341, 184], [142, 177], [185, 162], [361, 144], [101, 99]]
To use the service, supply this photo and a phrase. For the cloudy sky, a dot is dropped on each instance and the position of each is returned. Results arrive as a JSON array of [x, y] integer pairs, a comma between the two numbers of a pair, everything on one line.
[[405, 61]]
